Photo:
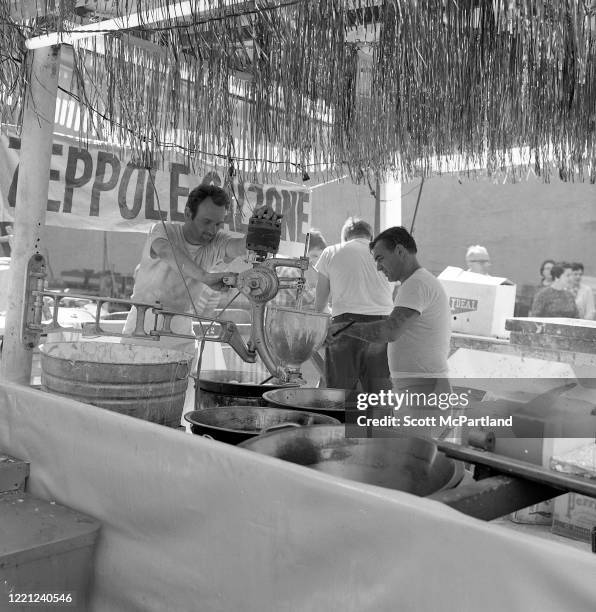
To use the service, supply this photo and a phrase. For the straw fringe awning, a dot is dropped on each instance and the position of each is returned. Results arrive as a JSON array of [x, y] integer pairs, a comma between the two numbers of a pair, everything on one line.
[[400, 87]]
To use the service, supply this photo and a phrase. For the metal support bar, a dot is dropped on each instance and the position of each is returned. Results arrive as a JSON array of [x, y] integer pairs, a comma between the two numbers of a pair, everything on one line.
[[564, 483], [496, 496], [148, 16], [259, 283]]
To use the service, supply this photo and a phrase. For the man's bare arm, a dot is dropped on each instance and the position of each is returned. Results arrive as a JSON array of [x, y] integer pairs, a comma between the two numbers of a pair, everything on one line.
[[386, 330], [161, 248], [322, 295]]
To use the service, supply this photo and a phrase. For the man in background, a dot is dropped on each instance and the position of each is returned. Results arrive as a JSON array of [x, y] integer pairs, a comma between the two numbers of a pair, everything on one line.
[[358, 293], [584, 298], [7, 239], [478, 260]]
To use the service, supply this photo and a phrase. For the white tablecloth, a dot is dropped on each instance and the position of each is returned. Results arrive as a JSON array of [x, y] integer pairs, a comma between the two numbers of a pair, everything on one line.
[[192, 524]]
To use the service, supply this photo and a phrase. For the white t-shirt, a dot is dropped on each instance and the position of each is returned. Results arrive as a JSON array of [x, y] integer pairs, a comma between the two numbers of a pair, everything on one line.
[[157, 281], [584, 300], [423, 346], [355, 283]]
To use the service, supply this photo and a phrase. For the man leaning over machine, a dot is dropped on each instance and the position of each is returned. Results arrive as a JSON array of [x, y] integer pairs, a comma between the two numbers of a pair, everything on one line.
[[177, 259], [418, 328]]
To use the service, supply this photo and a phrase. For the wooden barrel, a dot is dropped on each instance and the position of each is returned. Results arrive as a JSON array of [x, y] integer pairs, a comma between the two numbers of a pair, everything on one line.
[[141, 381]]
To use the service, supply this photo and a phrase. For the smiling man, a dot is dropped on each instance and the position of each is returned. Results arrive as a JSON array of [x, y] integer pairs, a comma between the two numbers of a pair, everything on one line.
[[177, 259], [418, 328]]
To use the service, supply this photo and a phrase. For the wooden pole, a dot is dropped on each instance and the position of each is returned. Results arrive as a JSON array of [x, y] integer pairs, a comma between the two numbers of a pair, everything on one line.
[[43, 67], [388, 204]]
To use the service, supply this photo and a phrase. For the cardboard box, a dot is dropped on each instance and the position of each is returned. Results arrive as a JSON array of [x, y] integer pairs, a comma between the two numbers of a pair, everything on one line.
[[574, 515], [480, 304]]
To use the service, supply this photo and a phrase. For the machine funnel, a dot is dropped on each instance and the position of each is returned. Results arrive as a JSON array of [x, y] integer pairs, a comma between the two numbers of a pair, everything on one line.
[[293, 335]]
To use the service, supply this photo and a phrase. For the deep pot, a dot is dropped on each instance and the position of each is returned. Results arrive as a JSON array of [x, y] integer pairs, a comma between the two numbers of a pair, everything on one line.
[[330, 402], [405, 463], [233, 388]]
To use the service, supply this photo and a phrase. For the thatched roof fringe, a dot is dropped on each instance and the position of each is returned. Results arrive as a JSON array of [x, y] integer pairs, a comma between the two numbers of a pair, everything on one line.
[[289, 84]]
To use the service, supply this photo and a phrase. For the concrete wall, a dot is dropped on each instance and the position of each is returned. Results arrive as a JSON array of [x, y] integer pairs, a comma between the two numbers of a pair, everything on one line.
[[521, 225], [332, 204]]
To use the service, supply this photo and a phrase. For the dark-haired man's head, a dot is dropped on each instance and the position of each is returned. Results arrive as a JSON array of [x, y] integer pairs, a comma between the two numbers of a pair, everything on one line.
[[205, 213], [394, 251], [355, 227], [577, 271], [203, 192]]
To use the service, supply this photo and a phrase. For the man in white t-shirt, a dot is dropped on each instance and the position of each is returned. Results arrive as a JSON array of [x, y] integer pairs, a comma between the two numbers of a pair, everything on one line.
[[178, 258], [358, 292], [418, 328], [584, 298]]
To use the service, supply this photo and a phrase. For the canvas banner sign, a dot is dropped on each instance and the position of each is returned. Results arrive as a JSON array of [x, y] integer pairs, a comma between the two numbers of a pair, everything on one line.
[[97, 188]]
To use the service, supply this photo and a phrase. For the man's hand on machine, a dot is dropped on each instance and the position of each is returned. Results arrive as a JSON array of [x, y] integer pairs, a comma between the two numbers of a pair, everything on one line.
[[220, 281], [266, 212]]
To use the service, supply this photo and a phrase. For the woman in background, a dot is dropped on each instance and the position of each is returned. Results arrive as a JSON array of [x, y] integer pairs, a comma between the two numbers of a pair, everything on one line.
[[556, 300], [546, 278]]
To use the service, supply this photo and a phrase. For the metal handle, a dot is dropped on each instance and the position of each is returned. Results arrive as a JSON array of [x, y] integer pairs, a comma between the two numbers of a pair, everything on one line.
[[186, 367], [280, 426]]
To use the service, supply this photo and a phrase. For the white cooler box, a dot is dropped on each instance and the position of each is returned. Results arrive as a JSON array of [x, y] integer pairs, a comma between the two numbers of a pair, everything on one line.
[[480, 304]]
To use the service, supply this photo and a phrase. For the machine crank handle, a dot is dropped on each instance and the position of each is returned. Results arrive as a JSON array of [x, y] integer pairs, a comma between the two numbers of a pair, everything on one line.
[[231, 335], [230, 280], [279, 426]]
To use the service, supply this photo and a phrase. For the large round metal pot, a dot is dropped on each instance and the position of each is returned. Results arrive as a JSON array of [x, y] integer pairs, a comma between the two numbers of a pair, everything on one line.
[[234, 424], [233, 388], [406, 463], [331, 402]]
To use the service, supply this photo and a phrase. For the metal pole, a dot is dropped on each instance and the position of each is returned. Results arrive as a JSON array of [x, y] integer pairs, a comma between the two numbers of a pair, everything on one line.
[[43, 67], [389, 203]]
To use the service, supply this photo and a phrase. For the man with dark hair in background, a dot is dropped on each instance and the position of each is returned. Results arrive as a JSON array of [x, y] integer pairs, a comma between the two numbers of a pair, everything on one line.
[[418, 328], [347, 277]]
